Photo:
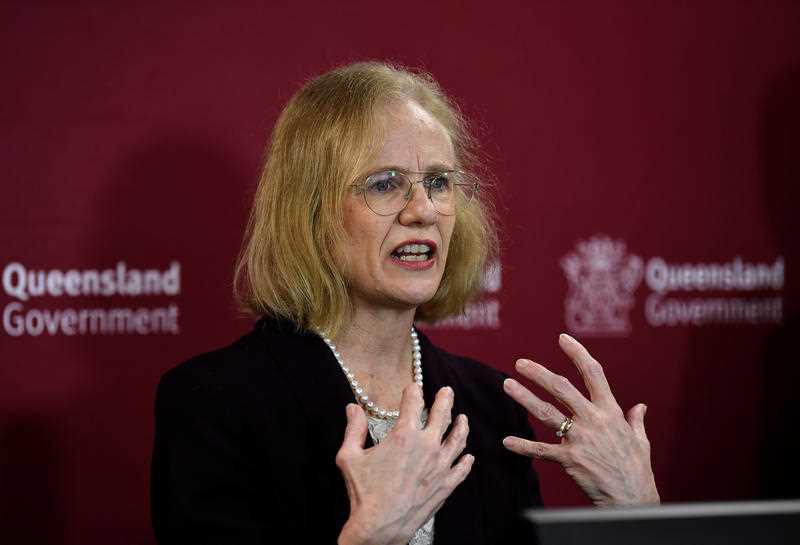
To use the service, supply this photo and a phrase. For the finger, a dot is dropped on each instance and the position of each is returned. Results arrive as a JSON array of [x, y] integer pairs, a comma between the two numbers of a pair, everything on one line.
[[635, 419], [441, 411], [542, 410], [558, 386], [534, 449], [455, 475], [590, 369], [356, 431], [460, 471], [411, 406], [456, 440]]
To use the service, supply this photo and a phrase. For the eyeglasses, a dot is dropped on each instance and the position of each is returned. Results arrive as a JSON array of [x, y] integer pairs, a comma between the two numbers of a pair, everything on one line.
[[387, 192]]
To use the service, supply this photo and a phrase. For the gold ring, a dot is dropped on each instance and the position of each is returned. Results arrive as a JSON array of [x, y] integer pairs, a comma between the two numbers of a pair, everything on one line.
[[565, 427]]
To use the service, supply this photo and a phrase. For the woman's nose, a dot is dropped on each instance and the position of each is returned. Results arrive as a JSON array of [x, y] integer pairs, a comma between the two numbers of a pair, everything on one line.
[[419, 208]]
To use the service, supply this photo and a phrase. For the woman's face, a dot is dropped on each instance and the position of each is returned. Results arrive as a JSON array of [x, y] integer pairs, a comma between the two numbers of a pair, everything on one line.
[[377, 272]]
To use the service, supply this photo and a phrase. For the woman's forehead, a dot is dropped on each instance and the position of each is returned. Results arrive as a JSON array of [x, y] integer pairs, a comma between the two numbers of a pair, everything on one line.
[[411, 137]]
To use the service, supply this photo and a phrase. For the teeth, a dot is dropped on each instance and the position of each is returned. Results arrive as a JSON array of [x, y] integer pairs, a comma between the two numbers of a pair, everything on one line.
[[414, 249], [413, 257]]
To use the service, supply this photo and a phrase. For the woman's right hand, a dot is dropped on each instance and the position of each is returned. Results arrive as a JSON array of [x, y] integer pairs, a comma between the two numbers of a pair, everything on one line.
[[397, 485]]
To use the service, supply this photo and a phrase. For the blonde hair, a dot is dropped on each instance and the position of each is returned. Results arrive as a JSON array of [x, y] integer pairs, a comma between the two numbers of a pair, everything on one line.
[[321, 142]]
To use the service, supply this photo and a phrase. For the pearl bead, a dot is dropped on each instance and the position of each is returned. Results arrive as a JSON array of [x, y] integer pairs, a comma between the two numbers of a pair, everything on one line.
[[360, 394]]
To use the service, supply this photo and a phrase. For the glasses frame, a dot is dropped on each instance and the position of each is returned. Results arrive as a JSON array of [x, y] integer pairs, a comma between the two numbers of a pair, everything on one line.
[[475, 185]]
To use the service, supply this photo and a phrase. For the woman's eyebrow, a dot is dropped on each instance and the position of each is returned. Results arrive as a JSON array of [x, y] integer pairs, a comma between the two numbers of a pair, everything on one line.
[[433, 167], [381, 168]]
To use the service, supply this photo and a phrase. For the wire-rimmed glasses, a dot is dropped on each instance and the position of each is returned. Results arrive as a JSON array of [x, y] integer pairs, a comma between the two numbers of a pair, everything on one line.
[[388, 191]]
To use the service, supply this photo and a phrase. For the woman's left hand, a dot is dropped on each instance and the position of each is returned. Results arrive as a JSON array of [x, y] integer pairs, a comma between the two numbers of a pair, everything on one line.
[[607, 454]]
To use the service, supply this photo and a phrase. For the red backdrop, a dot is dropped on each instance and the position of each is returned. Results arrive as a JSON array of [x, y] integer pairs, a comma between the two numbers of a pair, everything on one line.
[[646, 154]]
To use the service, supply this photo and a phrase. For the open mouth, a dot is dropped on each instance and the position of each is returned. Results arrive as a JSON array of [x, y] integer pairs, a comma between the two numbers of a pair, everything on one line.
[[414, 251]]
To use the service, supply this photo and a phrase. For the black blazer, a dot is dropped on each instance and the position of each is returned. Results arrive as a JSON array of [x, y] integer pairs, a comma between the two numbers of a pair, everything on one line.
[[246, 438]]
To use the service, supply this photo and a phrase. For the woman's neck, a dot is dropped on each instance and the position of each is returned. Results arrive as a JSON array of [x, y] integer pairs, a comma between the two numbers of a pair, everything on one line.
[[377, 342]]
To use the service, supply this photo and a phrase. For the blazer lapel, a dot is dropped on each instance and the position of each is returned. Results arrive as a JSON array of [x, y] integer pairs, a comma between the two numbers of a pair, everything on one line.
[[318, 382], [459, 520], [323, 392]]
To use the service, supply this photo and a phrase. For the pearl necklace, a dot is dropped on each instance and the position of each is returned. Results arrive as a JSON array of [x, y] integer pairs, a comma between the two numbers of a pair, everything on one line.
[[358, 390]]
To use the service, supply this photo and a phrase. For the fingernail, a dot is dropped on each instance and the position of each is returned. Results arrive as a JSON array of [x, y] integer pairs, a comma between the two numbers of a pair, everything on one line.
[[507, 442], [567, 337], [448, 390], [644, 411], [509, 383], [348, 410], [522, 363]]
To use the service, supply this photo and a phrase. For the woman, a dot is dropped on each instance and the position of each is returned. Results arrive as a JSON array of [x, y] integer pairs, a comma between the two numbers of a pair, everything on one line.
[[335, 419]]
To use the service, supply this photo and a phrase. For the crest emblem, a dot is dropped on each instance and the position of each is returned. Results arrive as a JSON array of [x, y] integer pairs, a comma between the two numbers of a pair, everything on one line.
[[602, 279]]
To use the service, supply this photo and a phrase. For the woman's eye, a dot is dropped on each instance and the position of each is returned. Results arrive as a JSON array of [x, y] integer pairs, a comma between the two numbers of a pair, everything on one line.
[[438, 182], [383, 182]]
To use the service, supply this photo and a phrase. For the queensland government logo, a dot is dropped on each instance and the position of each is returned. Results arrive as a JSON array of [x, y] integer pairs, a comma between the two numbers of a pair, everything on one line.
[[603, 278]]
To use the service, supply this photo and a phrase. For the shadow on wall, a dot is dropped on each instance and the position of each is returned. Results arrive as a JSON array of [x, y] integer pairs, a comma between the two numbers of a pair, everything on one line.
[[30, 471], [779, 444], [737, 430], [79, 474], [180, 199]]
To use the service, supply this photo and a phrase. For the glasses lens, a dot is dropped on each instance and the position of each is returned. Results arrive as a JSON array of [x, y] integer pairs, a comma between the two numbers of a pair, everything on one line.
[[440, 189], [386, 192], [450, 190]]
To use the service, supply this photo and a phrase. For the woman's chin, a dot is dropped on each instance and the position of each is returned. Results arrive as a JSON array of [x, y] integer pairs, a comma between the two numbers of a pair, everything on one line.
[[400, 295], [403, 297], [415, 298]]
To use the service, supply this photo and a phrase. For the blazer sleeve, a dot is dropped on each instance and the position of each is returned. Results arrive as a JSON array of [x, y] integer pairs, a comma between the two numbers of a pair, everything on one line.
[[206, 488]]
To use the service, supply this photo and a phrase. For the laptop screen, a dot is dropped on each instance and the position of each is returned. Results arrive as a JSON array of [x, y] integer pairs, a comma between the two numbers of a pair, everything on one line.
[[750, 523]]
